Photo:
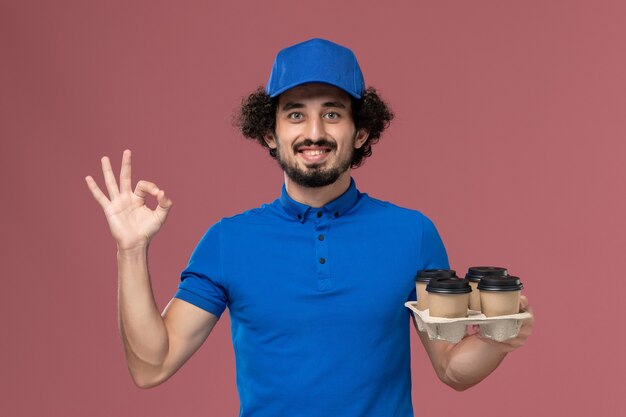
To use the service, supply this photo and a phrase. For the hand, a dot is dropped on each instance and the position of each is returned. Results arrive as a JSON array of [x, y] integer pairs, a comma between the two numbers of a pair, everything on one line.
[[524, 332], [132, 223]]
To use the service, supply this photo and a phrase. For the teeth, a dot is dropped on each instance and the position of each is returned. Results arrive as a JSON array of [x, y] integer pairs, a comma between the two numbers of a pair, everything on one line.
[[313, 153]]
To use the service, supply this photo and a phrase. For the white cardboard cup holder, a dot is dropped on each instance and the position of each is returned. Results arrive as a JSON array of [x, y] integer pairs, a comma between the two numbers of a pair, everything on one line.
[[498, 328]]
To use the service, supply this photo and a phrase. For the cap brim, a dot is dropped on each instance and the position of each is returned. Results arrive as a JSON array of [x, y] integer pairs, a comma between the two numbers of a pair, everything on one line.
[[290, 86]]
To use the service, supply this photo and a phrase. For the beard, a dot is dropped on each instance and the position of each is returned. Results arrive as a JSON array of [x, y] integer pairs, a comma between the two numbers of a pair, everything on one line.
[[317, 175]]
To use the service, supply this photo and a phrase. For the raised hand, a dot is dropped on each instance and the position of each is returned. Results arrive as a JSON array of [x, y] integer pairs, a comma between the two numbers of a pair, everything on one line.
[[132, 223]]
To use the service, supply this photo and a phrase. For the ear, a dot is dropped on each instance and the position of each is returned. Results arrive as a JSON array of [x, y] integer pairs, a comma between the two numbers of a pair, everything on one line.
[[361, 137], [270, 140]]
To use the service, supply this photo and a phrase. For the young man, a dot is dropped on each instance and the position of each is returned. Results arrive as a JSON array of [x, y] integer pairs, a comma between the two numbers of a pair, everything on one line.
[[316, 281]]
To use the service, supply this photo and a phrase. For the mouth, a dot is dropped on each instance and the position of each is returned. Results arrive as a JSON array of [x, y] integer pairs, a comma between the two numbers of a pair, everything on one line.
[[313, 154]]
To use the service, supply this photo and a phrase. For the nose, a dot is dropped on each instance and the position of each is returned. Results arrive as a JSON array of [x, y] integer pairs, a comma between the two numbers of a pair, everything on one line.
[[315, 129]]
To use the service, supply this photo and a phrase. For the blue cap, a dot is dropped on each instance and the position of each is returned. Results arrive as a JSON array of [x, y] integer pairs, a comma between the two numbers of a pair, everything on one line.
[[316, 61]]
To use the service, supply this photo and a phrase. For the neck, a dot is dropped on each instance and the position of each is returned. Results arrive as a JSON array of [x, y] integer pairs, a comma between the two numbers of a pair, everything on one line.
[[318, 196]]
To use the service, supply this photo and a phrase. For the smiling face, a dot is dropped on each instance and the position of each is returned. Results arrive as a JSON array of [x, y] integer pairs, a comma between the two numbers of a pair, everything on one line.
[[315, 136]]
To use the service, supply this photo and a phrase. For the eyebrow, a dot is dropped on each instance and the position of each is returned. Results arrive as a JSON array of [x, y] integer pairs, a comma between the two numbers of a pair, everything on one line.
[[295, 105]]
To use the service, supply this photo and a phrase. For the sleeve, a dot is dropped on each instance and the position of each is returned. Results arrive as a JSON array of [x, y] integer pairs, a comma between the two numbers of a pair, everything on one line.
[[200, 282], [432, 253]]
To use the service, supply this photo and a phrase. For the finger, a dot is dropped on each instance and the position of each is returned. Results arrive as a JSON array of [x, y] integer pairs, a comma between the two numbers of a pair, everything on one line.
[[96, 192], [529, 309], [164, 204], [523, 303], [146, 188], [529, 322], [473, 329], [125, 178], [109, 178], [526, 307], [524, 331]]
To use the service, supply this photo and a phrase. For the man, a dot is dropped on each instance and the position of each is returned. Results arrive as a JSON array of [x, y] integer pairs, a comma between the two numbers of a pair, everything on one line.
[[315, 282]]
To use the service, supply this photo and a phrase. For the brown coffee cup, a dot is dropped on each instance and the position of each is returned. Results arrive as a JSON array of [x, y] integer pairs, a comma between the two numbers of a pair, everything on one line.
[[448, 297], [423, 277], [474, 275], [499, 296]]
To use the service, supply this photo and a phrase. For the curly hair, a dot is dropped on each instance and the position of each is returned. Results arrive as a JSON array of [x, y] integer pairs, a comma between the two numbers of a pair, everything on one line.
[[257, 117]]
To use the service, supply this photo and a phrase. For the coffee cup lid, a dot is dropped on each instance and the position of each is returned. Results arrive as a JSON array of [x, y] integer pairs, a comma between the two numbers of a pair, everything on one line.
[[508, 283], [475, 273], [449, 286], [426, 275]]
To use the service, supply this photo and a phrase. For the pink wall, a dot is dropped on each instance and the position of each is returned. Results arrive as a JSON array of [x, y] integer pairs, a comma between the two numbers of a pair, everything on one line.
[[509, 134]]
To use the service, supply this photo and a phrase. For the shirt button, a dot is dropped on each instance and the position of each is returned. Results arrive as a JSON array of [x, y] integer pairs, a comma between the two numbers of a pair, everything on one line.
[[321, 237], [322, 260], [319, 214], [336, 214], [299, 216]]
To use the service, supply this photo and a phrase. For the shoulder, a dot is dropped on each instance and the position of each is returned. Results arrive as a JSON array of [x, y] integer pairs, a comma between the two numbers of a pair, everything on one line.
[[251, 215], [394, 211], [266, 214]]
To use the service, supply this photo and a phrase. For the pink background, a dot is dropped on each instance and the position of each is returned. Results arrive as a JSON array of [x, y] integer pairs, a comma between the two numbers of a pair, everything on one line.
[[509, 134]]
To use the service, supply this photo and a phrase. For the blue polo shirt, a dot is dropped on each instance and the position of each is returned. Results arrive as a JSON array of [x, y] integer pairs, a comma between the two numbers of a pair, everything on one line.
[[316, 300]]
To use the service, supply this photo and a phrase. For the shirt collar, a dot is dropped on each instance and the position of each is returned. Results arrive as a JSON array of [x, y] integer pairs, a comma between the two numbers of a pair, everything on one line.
[[336, 208]]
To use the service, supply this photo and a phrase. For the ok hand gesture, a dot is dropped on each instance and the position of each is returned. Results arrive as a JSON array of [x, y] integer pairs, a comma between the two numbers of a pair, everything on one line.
[[131, 222]]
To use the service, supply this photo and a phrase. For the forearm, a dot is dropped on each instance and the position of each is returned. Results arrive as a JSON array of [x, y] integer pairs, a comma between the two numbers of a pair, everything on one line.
[[142, 329], [470, 361]]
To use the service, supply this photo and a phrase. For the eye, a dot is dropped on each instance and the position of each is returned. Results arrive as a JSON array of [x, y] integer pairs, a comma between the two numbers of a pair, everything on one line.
[[332, 115], [295, 116]]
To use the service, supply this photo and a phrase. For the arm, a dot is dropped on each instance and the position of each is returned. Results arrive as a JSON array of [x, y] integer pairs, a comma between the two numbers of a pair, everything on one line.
[[155, 346], [468, 362]]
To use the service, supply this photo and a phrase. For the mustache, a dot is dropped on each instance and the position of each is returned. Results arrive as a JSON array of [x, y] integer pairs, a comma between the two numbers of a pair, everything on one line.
[[309, 142]]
